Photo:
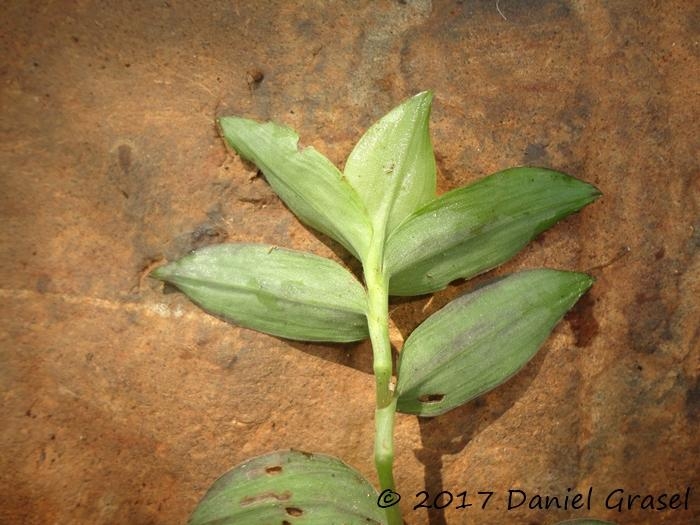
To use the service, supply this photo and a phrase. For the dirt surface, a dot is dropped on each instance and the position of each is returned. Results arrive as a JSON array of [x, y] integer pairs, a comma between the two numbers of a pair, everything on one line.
[[122, 404]]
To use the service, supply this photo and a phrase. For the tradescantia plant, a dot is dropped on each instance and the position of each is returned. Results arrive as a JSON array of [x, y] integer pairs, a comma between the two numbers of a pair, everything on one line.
[[383, 208]]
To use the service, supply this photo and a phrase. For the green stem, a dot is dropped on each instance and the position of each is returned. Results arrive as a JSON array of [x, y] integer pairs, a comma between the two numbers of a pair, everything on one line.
[[384, 457], [378, 322]]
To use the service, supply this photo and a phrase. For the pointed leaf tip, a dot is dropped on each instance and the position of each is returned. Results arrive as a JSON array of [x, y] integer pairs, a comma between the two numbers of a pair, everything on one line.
[[158, 273], [392, 167], [472, 229]]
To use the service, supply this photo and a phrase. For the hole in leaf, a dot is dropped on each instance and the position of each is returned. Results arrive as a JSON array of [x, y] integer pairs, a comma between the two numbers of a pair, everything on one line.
[[285, 522], [431, 398], [275, 469], [294, 511]]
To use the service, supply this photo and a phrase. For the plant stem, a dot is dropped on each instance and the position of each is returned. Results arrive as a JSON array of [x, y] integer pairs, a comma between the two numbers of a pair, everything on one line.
[[378, 323], [384, 457]]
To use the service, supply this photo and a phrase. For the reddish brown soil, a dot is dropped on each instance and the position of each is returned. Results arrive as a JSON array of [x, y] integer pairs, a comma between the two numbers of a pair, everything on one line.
[[121, 405]]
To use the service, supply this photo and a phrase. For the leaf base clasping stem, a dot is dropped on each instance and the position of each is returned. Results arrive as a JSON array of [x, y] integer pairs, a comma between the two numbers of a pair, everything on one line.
[[378, 322]]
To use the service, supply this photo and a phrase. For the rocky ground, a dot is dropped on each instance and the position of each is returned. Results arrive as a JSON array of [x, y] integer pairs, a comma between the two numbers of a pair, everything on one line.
[[122, 404]]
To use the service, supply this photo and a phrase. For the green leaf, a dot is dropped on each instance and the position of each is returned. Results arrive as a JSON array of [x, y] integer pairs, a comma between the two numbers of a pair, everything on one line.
[[281, 292], [392, 167], [309, 184], [470, 230], [290, 487], [479, 340]]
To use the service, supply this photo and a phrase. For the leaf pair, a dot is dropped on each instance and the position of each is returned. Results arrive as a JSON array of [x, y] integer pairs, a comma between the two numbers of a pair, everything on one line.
[[470, 346], [389, 174]]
